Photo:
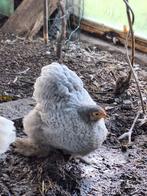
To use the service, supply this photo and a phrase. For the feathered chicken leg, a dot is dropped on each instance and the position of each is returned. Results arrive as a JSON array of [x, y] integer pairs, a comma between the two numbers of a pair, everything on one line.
[[26, 147], [33, 144]]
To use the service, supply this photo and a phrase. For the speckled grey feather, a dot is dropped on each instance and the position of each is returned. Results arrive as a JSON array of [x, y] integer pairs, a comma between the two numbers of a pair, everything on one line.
[[59, 119]]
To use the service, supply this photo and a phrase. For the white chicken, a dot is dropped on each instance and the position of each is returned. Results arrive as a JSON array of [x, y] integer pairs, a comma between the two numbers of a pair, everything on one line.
[[65, 116], [7, 134]]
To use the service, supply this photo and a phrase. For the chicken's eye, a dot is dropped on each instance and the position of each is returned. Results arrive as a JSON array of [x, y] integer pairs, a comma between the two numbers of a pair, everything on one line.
[[96, 114]]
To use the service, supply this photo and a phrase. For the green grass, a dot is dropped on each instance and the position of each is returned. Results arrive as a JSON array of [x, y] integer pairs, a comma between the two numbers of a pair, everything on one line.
[[6, 7], [113, 13]]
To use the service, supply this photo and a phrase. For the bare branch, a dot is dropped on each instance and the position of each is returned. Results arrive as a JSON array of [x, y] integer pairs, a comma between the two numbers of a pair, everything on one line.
[[45, 26], [131, 62], [61, 7], [81, 13], [131, 32]]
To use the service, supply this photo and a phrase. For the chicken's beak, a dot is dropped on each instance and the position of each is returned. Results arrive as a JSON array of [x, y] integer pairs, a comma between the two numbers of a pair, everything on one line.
[[102, 114], [97, 115]]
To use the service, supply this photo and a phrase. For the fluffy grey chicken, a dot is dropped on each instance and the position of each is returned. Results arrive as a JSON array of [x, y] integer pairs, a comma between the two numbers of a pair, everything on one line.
[[65, 116], [7, 134]]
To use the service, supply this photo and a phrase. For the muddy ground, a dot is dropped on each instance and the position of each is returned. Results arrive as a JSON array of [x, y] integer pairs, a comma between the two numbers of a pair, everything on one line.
[[111, 171]]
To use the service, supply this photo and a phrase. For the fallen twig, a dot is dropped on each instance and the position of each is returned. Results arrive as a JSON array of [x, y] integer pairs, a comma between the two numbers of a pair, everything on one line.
[[143, 121], [25, 71], [129, 133]]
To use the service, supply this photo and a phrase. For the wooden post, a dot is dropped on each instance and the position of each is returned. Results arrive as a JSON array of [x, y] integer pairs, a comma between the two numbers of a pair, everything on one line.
[[28, 17], [45, 25]]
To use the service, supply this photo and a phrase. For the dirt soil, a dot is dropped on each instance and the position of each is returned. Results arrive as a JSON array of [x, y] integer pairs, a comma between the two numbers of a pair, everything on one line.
[[110, 171]]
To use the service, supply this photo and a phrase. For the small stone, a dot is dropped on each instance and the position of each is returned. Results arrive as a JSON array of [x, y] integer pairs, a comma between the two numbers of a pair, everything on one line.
[[127, 102], [48, 52], [127, 105], [117, 100]]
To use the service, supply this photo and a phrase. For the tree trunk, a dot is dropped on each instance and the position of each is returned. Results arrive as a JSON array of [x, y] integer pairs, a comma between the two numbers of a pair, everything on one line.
[[28, 17]]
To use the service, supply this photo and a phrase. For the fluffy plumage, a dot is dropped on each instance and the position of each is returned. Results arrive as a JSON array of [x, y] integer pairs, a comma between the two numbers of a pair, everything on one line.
[[63, 116], [7, 134]]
